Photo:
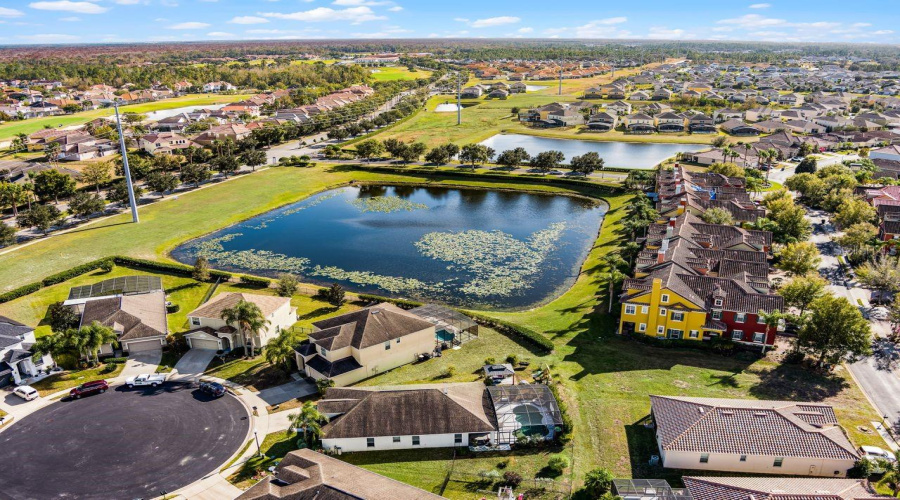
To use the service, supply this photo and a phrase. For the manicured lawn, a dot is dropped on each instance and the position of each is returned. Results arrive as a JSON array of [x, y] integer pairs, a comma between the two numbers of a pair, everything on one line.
[[275, 446], [256, 374], [396, 73], [69, 379], [9, 130]]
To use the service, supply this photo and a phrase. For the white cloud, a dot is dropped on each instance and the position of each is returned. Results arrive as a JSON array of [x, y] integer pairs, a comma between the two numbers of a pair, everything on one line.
[[71, 19], [248, 20], [69, 6], [7, 12], [494, 21], [49, 38], [661, 33], [760, 5], [221, 34], [525, 30], [189, 26], [395, 8], [326, 14], [753, 21], [598, 28]]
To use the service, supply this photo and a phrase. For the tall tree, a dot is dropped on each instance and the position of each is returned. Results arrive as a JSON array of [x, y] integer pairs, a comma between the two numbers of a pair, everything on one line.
[[802, 291], [53, 184], [799, 258], [96, 174], [513, 158], [587, 163], [280, 350], [11, 194], [881, 273], [717, 215], [309, 421], [93, 337], [249, 319], [834, 330], [7, 235]]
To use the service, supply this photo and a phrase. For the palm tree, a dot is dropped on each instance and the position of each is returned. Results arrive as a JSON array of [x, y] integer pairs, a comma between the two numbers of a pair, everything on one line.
[[771, 320], [93, 337], [249, 319], [891, 476], [52, 151], [309, 421], [280, 350], [613, 262]]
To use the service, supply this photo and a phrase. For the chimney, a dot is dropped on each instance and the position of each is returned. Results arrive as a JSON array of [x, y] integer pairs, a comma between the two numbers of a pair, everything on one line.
[[661, 253], [672, 221]]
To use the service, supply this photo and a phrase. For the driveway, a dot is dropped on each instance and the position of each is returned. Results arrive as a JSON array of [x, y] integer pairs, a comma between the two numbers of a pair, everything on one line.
[[192, 364], [138, 444], [142, 362], [286, 392]]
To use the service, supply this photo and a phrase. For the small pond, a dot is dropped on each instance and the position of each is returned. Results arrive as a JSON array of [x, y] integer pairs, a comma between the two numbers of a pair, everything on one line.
[[464, 247], [615, 154], [534, 88], [446, 108]]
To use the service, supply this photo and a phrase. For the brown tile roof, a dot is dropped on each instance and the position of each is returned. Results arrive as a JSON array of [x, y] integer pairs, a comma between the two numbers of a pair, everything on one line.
[[308, 475], [409, 410], [777, 488], [213, 309], [135, 316], [366, 327], [738, 426]]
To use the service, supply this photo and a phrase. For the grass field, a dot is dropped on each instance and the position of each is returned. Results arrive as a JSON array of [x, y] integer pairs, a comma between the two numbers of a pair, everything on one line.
[[604, 379], [396, 73], [9, 130]]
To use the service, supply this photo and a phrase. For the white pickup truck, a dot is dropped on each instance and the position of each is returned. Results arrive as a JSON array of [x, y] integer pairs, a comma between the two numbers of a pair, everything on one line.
[[152, 380]]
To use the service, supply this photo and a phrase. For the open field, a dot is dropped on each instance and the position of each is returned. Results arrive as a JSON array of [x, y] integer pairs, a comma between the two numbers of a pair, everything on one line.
[[11, 129], [396, 73], [603, 379]]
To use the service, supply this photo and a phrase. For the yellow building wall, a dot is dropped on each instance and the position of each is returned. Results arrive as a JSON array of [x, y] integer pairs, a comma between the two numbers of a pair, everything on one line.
[[694, 318]]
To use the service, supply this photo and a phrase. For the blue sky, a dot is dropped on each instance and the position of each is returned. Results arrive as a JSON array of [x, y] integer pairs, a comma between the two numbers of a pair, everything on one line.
[[98, 21]]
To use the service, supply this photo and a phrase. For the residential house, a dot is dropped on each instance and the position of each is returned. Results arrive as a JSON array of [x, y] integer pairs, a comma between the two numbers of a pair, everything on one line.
[[17, 362], [701, 124], [790, 99], [738, 128], [619, 108], [435, 416], [139, 320], [724, 114], [804, 127], [640, 95], [175, 123], [779, 488], [639, 123], [163, 143], [593, 93], [770, 126], [662, 94], [364, 343], [499, 94], [669, 122], [233, 131], [471, 92], [751, 436], [891, 152], [308, 475], [602, 122], [218, 87], [210, 331]]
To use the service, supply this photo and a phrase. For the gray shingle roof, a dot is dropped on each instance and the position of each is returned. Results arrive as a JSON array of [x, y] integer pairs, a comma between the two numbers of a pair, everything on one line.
[[777, 488], [366, 327]]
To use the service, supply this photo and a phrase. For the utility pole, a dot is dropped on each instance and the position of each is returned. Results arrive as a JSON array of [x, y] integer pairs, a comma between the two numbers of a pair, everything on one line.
[[458, 98], [560, 81], [127, 171]]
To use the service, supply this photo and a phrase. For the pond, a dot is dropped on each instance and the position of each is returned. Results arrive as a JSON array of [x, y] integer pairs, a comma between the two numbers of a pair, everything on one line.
[[615, 154], [446, 108], [463, 247], [534, 88]]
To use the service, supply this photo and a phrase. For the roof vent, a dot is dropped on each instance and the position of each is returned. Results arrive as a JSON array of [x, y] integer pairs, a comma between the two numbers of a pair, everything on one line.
[[445, 391], [759, 414], [701, 410], [727, 412]]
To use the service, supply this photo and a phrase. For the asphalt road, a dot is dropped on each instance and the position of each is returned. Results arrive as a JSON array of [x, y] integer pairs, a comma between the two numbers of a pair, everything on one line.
[[124, 444]]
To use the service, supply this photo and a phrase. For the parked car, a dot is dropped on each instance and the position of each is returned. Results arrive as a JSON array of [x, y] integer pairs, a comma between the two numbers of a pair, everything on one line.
[[26, 392], [88, 388], [144, 379], [876, 455], [214, 389]]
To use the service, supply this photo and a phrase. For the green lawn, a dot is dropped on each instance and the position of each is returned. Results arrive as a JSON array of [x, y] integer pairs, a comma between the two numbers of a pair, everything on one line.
[[274, 447], [69, 379], [9, 130], [396, 73]]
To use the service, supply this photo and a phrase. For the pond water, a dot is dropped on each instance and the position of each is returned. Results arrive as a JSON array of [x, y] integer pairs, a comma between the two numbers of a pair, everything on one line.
[[446, 108], [464, 247], [534, 88], [615, 154]]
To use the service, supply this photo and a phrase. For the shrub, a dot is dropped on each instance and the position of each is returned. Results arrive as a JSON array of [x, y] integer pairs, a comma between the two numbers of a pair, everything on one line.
[[401, 303], [448, 371], [323, 384], [256, 281], [564, 434], [490, 361], [287, 285], [116, 361], [489, 474], [512, 479], [514, 330], [512, 359], [108, 368], [862, 469], [598, 482], [558, 464], [172, 308], [75, 272], [61, 317], [19, 292]]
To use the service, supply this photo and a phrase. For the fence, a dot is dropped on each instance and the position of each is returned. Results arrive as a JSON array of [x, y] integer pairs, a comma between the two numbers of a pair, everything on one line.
[[532, 488]]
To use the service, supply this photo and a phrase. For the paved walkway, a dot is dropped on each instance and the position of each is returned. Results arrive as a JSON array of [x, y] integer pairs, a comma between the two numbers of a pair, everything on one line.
[[192, 364], [140, 363]]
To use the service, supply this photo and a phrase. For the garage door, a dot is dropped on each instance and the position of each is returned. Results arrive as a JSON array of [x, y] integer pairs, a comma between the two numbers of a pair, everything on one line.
[[143, 346], [205, 344]]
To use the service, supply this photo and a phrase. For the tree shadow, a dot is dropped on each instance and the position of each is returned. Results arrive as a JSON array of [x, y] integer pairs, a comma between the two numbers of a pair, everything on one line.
[[793, 383], [318, 312]]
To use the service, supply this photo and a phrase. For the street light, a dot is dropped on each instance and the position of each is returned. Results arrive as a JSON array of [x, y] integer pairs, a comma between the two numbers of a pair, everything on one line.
[[258, 449]]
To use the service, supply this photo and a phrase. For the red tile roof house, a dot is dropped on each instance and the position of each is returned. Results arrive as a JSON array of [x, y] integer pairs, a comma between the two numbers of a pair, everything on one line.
[[778, 488], [750, 436]]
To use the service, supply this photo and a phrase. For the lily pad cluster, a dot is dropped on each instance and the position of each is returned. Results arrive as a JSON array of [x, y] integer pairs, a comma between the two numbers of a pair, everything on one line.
[[386, 204]]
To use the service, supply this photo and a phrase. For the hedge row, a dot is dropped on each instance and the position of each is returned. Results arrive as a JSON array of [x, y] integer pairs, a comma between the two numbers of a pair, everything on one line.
[[151, 265], [20, 292], [255, 281], [77, 271], [531, 336], [401, 303], [717, 345]]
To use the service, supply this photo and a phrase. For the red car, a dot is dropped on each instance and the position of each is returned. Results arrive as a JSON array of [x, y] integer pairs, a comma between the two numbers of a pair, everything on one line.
[[88, 388]]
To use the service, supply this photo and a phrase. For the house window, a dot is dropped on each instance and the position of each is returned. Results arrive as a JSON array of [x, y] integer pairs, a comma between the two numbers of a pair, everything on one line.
[[370, 442], [457, 439], [740, 317], [195, 321], [663, 311], [396, 439], [737, 335], [398, 341], [717, 315], [718, 302], [677, 316], [644, 309], [665, 298], [630, 309], [659, 331], [704, 458], [675, 334], [323, 351], [695, 334], [759, 338], [779, 461], [743, 458], [642, 327], [415, 440], [387, 345]]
